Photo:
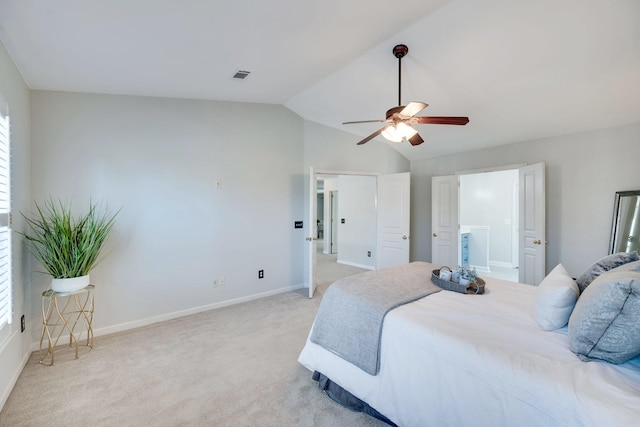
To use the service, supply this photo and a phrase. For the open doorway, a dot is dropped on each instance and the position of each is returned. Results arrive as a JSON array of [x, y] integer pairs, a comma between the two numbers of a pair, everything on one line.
[[372, 221], [327, 213], [445, 221], [328, 266], [489, 219]]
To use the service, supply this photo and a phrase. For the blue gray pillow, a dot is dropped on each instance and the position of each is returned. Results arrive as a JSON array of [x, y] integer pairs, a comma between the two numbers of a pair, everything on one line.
[[630, 266], [603, 265], [605, 323]]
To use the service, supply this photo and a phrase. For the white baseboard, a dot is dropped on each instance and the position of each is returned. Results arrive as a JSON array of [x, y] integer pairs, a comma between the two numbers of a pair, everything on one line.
[[481, 268], [501, 264], [176, 314], [353, 264], [14, 379]]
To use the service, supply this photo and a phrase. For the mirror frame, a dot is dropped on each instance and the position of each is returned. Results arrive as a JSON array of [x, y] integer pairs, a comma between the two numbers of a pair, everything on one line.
[[616, 219]]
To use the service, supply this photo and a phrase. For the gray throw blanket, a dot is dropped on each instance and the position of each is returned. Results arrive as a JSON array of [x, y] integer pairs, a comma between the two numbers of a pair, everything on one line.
[[350, 317]]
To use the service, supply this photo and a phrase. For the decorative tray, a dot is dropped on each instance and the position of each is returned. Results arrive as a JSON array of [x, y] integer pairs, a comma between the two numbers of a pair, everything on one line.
[[473, 288]]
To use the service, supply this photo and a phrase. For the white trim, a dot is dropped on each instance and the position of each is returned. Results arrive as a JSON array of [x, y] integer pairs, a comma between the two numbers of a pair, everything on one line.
[[14, 379], [501, 264], [176, 314], [481, 268], [6, 256], [353, 264], [493, 169], [336, 172]]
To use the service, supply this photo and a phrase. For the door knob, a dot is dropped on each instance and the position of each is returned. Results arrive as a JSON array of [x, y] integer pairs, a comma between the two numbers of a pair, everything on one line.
[[435, 234], [404, 237], [537, 242]]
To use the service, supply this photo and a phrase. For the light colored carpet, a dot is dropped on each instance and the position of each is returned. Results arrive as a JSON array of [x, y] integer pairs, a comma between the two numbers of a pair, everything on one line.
[[328, 270], [235, 366]]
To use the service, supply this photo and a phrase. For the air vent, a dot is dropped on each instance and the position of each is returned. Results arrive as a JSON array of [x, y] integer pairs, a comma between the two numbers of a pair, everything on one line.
[[241, 74]]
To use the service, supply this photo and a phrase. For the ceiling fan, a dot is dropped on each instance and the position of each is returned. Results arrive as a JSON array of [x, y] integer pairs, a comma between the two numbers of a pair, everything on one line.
[[400, 119]]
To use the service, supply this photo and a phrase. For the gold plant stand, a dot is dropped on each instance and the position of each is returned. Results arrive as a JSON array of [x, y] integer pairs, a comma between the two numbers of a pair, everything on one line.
[[65, 312]]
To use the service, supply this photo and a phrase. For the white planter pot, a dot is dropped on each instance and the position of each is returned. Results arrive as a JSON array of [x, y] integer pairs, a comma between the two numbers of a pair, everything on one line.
[[70, 285]]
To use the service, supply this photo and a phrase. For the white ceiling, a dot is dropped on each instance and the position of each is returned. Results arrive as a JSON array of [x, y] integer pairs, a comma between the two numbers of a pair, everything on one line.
[[520, 70]]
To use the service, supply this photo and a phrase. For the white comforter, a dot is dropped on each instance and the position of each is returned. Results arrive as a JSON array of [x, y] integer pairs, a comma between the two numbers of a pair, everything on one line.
[[481, 360]]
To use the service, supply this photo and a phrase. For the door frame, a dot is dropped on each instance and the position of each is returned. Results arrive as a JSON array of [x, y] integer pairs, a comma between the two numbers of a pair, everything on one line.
[[518, 167], [312, 216], [332, 243], [516, 204]]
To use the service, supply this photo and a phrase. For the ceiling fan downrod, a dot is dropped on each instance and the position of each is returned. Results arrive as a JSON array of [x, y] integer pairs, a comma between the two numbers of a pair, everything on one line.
[[399, 51]]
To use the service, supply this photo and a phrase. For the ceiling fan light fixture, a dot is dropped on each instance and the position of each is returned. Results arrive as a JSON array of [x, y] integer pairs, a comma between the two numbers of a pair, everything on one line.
[[401, 118], [399, 132]]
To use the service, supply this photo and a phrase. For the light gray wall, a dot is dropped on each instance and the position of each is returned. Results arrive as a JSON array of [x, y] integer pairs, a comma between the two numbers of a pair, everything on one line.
[[15, 350], [487, 199], [357, 205], [161, 160], [332, 149], [583, 172], [207, 189]]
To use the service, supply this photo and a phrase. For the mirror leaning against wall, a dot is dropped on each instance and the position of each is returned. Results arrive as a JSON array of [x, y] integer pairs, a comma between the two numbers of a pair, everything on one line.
[[625, 231]]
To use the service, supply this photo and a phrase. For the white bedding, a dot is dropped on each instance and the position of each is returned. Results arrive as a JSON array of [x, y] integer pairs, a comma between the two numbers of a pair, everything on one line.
[[481, 360]]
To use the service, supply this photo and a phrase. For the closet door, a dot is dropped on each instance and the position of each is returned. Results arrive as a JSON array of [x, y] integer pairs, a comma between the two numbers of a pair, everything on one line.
[[533, 239], [444, 220], [393, 219]]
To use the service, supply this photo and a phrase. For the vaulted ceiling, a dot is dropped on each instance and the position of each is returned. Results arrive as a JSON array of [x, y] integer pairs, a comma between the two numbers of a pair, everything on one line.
[[520, 70]]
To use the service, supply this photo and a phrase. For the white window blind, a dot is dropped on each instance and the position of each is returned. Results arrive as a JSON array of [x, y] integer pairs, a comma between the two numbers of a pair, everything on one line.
[[5, 225]]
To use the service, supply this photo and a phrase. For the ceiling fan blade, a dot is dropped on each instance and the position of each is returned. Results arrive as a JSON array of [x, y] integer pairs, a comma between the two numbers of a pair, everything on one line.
[[442, 120], [364, 121], [373, 135], [413, 108], [416, 139]]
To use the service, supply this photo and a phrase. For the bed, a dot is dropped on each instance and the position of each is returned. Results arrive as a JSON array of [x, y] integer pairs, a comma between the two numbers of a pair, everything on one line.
[[452, 359]]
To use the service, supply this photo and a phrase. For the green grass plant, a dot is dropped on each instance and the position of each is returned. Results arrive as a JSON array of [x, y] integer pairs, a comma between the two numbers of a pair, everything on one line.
[[65, 245]]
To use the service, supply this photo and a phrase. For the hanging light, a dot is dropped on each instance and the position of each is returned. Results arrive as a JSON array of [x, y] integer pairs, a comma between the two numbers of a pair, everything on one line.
[[399, 132]]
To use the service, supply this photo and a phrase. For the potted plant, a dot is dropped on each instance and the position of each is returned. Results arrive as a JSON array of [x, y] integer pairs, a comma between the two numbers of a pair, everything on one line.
[[67, 246], [467, 275]]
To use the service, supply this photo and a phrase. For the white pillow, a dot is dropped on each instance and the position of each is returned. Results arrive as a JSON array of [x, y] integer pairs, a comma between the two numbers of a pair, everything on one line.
[[555, 298]]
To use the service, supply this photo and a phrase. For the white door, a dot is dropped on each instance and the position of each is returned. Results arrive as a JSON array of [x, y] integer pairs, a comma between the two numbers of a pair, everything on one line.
[[532, 224], [393, 219], [444, 220], [313, 232]]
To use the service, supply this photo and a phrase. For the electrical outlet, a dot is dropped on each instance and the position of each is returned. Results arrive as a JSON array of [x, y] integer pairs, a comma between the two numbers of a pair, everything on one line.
[[260, 274], [369, 254], [221, 281]]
